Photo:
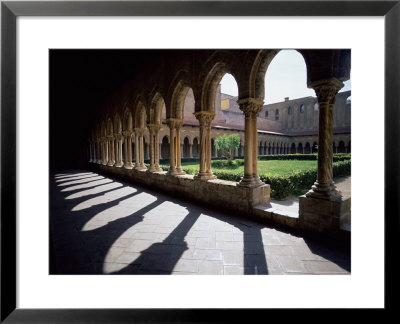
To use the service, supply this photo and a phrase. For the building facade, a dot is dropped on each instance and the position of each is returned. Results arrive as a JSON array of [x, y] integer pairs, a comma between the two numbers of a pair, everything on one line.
[[286, 127]]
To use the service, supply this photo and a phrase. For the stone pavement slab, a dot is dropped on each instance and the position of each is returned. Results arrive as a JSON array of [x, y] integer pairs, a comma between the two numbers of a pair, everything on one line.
[[103, 226]]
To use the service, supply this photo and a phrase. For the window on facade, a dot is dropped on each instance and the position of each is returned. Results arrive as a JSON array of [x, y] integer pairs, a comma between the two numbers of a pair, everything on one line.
[[302, 109], [276, 114], [266, 114]]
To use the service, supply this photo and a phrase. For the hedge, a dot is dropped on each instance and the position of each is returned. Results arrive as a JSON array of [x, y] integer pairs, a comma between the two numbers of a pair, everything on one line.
[[281, 186]]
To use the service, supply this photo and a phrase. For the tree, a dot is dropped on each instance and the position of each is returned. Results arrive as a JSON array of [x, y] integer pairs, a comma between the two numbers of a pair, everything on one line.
[[226, 144]]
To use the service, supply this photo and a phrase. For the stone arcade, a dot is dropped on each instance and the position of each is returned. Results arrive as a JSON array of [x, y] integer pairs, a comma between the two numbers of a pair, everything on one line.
[[158, 93]]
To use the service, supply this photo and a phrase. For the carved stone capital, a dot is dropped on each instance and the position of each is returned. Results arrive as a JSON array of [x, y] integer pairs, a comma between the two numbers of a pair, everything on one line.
[[117, 136], [155, 128], [174, 123], [251, 106], [127, 133], [140, 131], [204, 117], [110, 137], [326, 90]]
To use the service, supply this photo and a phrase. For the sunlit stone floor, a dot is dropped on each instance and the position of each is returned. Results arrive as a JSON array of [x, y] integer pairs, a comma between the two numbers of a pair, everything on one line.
[[104, 226]]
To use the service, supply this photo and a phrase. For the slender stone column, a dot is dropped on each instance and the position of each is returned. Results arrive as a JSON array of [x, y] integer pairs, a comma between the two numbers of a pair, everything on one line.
[[205, 118], [90, 153], [98, 156], [151, 148], [250, 107], [172, 138], [178, 125], [128, 149], [190, 150], [157, 148], [118, 141], [137, 150], [105, 151], [324, 187], [111, 159], [154, 148], [139, 163]]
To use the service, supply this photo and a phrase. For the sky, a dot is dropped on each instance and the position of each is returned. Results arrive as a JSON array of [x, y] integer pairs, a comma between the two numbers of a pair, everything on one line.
[[286, 77]]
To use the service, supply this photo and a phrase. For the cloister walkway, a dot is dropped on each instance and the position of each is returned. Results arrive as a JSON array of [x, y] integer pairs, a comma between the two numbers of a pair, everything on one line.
[[103, 226]]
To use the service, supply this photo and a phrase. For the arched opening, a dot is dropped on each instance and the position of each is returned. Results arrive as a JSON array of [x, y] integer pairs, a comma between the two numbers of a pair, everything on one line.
[[165, 148], [300, 148], [307, 148], [293, 149], [334, 149], [285, 80], [265, 148], [186, 148], [195, 148], [341, 148], [349, 147], [314, 148]]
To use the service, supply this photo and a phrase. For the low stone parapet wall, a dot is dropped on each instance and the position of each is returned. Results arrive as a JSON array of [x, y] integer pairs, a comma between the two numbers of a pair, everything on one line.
[[216, 192]]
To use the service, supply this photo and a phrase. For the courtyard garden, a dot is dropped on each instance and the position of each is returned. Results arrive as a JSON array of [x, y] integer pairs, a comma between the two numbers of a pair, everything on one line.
[[289, 174]]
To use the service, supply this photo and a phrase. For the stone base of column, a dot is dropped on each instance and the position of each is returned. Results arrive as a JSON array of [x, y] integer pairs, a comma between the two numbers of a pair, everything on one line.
[[99, 162], [154, 169], [205, 176], [179, 171], [172, 172], [326, 191], [118, 165], [251, 182], [128, 165], [111, 163], [140, 167], [322, 215], [104, 162]]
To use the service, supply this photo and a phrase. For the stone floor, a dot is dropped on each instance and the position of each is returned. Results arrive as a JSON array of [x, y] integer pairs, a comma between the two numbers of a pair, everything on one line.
[[104, 226]]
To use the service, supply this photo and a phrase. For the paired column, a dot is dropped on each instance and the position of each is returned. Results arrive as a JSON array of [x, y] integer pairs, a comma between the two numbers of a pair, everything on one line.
[[128, 149], [98, 151], [111, 151], [139, 149], [154, 148], [174, 144], [250, 107], [324, 187], [205, 118], [118, 143], [90, 152], [105, 150]]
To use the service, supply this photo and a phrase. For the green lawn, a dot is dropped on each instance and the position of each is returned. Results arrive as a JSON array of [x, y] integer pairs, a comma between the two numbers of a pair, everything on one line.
[[271, 167]]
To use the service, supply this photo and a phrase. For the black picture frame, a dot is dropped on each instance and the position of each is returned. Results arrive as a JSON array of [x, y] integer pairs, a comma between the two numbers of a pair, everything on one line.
[[10, 10]]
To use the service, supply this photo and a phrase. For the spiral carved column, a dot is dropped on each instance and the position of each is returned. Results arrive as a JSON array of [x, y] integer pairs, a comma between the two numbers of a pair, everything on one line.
[[324, 187]]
